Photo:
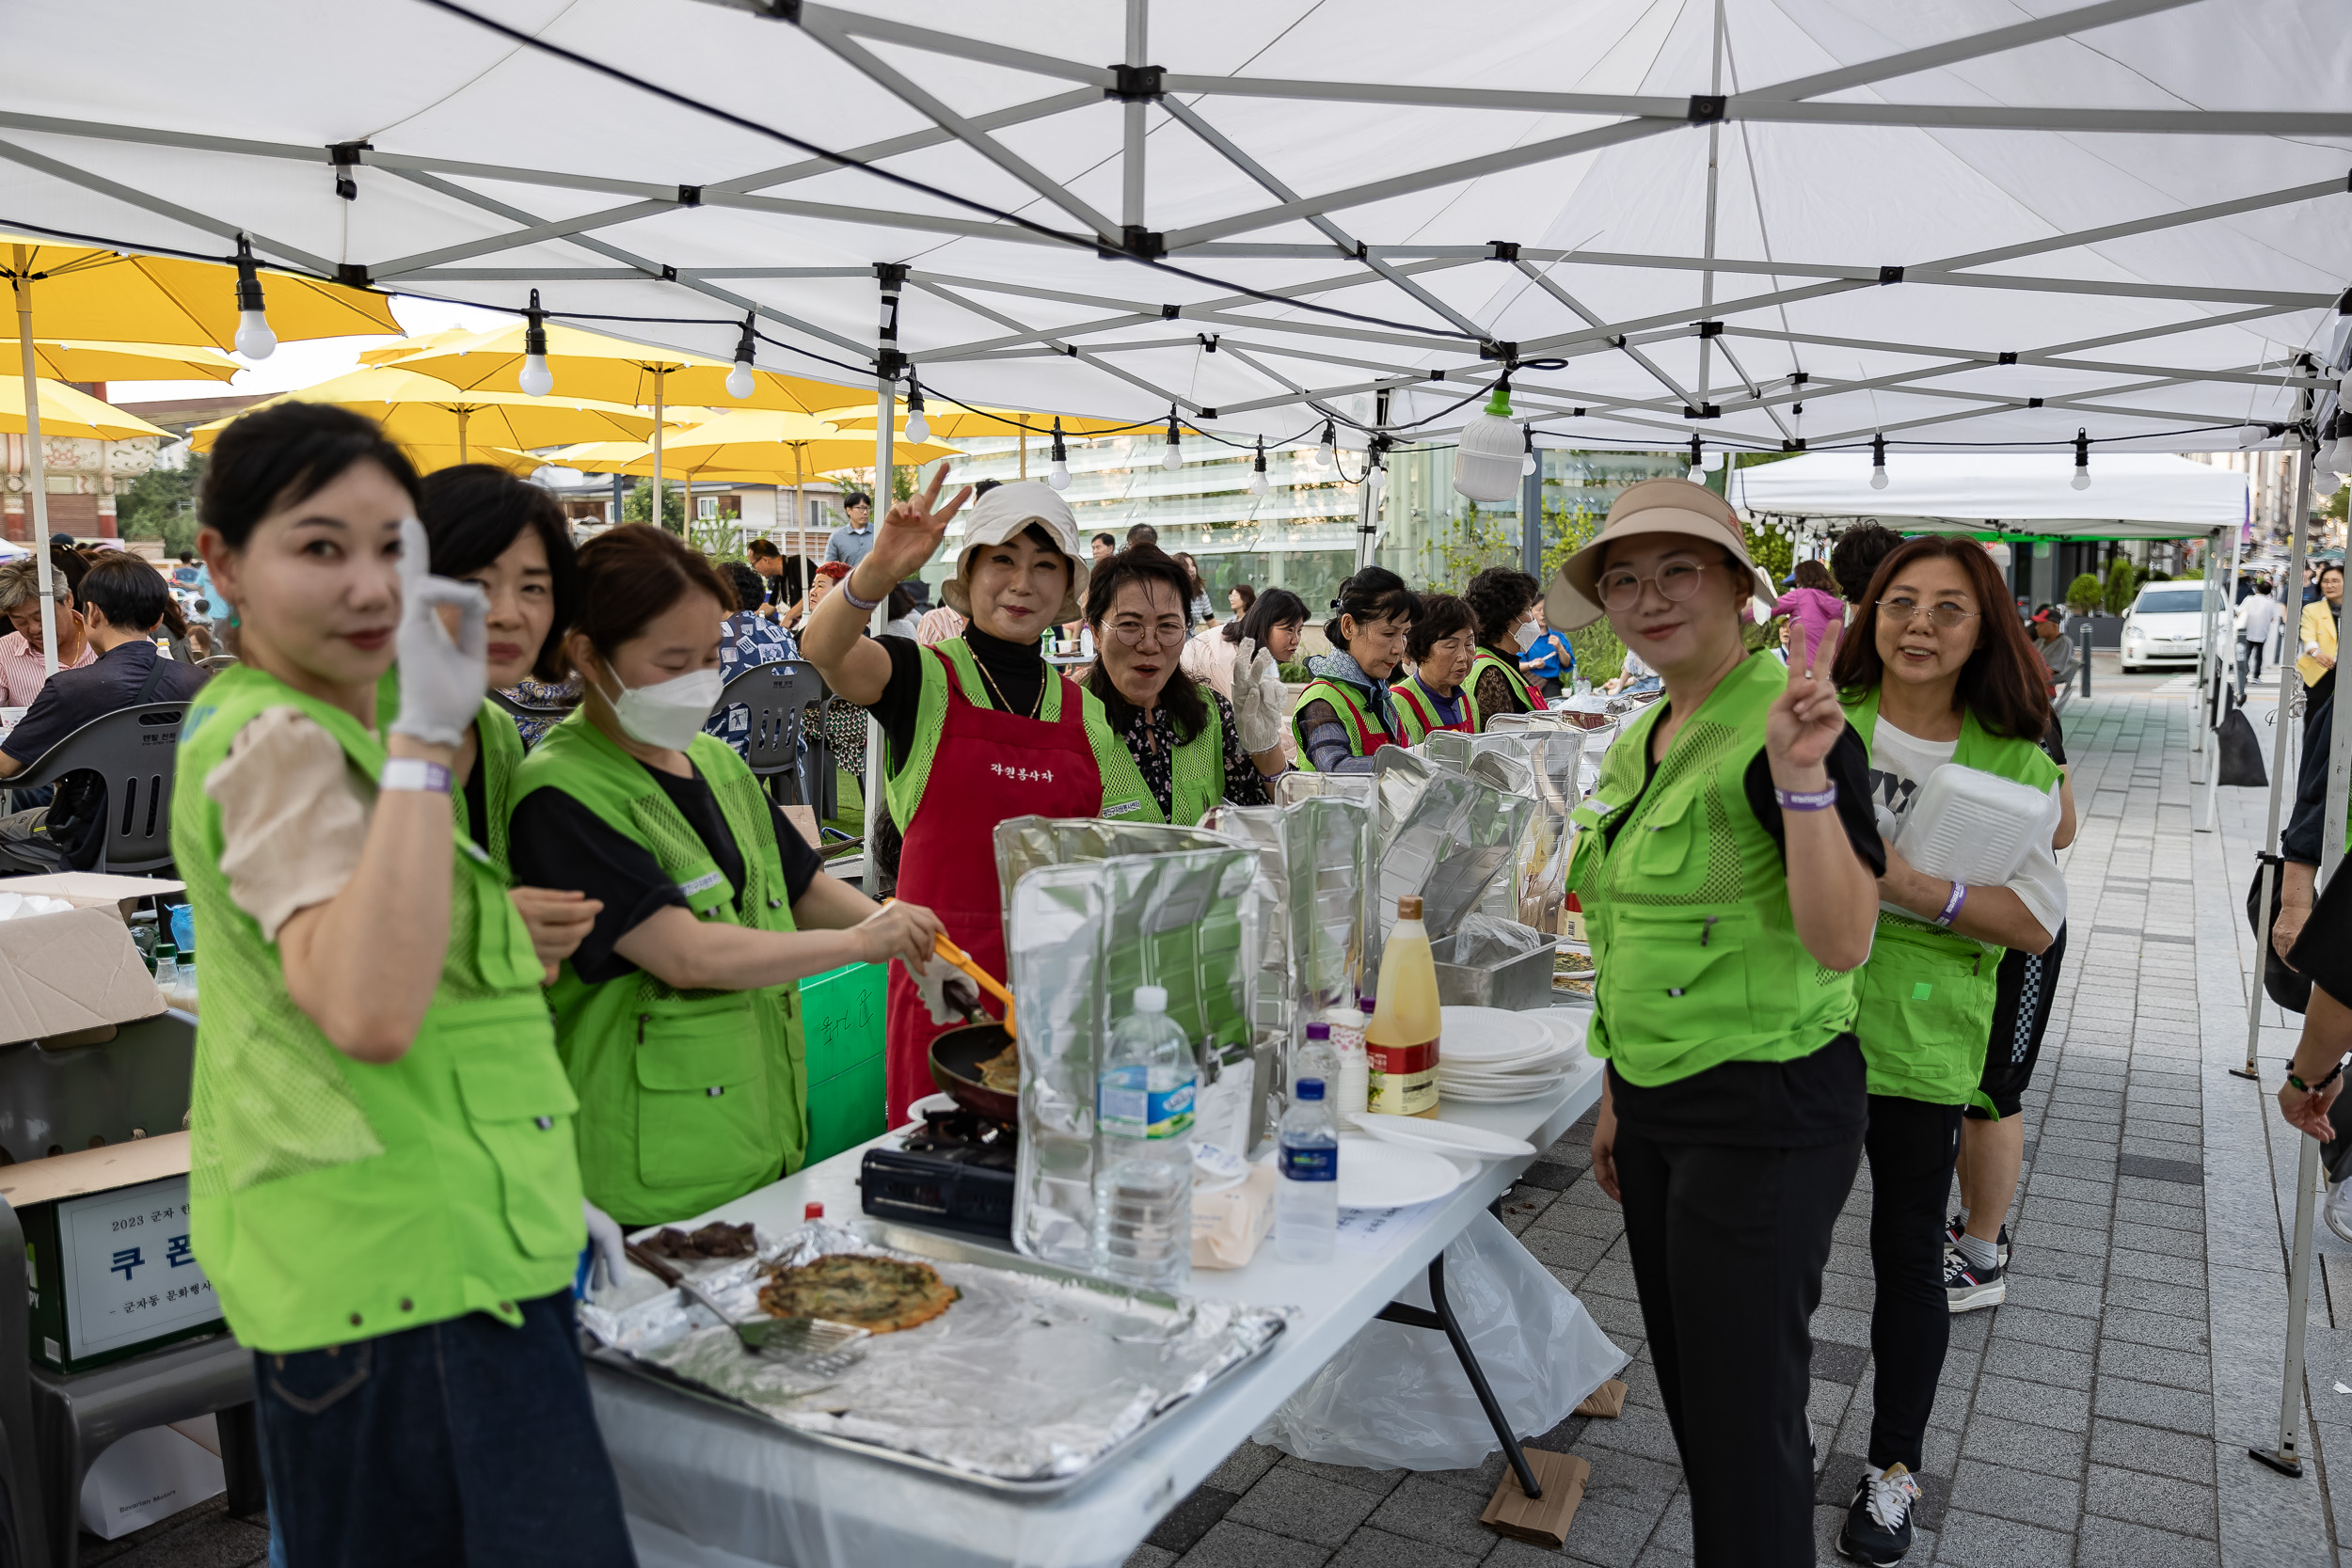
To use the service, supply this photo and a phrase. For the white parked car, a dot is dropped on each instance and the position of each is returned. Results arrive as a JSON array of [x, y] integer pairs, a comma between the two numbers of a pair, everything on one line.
[[2161, 628]]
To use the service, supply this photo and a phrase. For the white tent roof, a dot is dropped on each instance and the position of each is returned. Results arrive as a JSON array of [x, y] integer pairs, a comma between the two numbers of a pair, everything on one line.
[[2132, 495], [1961, 223]]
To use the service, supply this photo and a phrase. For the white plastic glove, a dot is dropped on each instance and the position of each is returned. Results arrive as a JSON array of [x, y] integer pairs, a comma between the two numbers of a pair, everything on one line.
[[1260, 705], [609, 1261], [941, 985], [441, 682]]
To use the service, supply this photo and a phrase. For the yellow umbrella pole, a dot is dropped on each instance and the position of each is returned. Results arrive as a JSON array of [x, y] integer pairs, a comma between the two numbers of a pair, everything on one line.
[[800, 509], [462, 416], [658, 378], [36, 472]]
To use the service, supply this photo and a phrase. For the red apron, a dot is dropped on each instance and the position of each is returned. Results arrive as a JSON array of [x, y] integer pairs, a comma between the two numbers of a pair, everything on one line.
[[990, 766]]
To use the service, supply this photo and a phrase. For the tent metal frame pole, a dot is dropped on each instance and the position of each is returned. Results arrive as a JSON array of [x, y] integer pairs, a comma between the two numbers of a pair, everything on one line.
[[1131, 204], [885, 395], [36, 469], [2204, 664], [1714, 153], [2213, 719], [2290, 682]]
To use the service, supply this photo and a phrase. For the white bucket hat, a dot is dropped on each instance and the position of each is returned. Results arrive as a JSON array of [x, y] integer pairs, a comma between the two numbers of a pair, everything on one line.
[[1653, 506], [1007, 510]]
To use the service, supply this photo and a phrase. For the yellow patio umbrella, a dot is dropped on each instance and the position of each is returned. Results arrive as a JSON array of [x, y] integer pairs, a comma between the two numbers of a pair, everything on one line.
[[780, 447], [401, 348], [431, 459], [954, 421], [419, 412], [73, 291], [64, 411], [86, 360], [580, 363]]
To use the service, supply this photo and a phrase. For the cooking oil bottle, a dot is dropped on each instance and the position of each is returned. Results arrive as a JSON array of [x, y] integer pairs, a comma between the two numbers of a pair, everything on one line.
[[1402, 1039]]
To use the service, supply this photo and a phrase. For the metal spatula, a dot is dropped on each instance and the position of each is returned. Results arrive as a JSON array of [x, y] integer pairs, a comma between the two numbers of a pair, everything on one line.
[[816, 1346]]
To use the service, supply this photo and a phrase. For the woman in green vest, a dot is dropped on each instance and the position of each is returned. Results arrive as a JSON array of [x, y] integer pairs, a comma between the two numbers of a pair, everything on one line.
[[1443, 643], [1185, 748], [1940, 675], [1725, 862], [1503, 600], [1346, 713], [508, 538], [679, 1015], [383, 1190]]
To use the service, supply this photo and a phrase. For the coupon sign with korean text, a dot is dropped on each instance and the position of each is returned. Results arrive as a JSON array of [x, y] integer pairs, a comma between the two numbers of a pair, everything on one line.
[[130, 1272]]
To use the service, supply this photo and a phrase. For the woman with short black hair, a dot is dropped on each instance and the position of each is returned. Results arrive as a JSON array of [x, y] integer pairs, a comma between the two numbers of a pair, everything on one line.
[[1346, 713], [1443, 644], [1503, 601]]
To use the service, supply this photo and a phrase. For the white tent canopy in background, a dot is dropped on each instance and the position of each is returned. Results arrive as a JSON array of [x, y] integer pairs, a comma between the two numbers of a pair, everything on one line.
[[1986, 222], [2132, 495]]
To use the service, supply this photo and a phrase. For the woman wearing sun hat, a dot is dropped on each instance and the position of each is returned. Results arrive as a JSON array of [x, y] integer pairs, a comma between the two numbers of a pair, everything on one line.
[[1726, 864], [978, 727]]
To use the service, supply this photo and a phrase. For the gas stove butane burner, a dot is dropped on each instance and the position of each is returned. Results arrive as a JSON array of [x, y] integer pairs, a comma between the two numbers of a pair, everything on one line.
[[966, 1137]]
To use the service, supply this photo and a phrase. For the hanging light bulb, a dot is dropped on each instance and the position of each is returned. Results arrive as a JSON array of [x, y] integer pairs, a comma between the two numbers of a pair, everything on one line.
[[1878, 462], [1527, 464], [1259, 484], [255, 341], [2082, 460], [918, 428], [1327, 451], [1699, 463], [1175, 459], [2323, 482], [1375, 478], [1796, 421], [740, 382], [1058, 475], [536, 379]]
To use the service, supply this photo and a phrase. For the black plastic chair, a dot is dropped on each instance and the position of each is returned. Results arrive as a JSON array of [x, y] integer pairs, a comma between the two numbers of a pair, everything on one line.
[[133, 749], [785, 743]]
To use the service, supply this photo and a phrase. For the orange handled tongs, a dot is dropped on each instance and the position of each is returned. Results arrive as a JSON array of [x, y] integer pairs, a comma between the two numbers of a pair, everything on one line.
[[980, 977]]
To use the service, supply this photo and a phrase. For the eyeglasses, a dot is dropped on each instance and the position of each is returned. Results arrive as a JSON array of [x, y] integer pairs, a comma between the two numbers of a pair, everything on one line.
[[1677, 580], [1140, 635], [1943, 617]]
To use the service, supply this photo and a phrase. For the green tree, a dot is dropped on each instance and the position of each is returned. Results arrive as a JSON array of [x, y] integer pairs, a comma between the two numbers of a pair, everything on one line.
[[2124, 582], [161, 504], [637, 506], [2083, 593]]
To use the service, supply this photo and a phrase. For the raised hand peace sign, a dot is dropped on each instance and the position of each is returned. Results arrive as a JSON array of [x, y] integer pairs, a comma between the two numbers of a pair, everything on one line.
[[1806, 719], [912, 529]]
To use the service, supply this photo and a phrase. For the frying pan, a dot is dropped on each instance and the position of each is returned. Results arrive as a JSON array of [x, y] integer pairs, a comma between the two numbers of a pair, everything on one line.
[[956, 1058]]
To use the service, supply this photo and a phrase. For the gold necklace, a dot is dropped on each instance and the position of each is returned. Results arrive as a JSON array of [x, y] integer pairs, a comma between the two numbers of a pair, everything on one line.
[[1035, 708]]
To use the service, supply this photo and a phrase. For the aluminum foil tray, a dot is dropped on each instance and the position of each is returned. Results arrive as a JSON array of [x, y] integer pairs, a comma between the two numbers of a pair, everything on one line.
[[1036, 1375]]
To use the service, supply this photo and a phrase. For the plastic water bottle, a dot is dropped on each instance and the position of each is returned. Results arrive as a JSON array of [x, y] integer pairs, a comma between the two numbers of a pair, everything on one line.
[[1318, 1057], [1307, 1199], [166, 966], [1143, 1182]]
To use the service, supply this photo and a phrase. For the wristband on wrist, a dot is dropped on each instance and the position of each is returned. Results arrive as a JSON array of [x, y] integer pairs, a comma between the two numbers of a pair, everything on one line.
[[1952, 905], [2334, 1073], [414, 775], [850, 594], [1819, 800]]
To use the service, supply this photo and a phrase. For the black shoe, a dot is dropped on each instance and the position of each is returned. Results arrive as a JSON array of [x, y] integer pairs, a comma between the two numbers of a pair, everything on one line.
[[1967, 1287], [1878, 1526], [1956, 1228]]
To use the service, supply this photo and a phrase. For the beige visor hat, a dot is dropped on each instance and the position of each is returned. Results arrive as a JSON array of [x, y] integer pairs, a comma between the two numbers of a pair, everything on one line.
[[1005, 512], [1653, 506]]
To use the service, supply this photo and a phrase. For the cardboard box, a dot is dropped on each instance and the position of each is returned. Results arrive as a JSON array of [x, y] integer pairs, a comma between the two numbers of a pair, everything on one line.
[[112, 1272], [78, 970], [153, 1475]]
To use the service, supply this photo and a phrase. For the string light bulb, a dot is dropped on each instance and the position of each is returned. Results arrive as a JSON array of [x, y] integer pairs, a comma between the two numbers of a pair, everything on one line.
[[919, 427], [1878, 462], [1699, 463], [254, 340], [1058, 475], [1327, 449], [1175, 459], [1259, 484], [740, 382], [536, 379], [2082, 460], [1527, 464]]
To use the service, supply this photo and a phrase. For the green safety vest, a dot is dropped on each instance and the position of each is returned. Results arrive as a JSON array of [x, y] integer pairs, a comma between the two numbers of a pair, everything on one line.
[[1531, 700], [902, 786], [333, 1200], [1927, 994], [1364, 730], [1415, 723], [497, 755], [1687, 909], [1197, 781], [687, 1098]]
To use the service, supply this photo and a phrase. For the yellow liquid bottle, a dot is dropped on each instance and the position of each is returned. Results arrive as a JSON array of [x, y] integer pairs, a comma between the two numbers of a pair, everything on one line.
[[1402, 1039]]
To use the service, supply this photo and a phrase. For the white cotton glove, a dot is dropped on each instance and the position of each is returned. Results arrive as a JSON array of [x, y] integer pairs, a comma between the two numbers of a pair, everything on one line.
[[942, 985], [609, 1260], [441, 682], [1259, 703]]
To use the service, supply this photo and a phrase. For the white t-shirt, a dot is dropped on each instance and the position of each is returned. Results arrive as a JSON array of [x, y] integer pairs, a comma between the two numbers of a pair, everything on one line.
[[1899, 764], [2258, 617]]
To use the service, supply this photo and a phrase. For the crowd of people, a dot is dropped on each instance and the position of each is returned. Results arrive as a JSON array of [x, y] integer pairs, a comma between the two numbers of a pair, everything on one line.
[[503, 936]]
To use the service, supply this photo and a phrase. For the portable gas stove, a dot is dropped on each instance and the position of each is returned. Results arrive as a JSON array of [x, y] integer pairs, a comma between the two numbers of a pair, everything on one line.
[[954, 1171]]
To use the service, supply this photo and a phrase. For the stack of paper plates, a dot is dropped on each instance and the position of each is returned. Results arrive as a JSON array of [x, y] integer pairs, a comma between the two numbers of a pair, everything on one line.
[[1491, 1054]]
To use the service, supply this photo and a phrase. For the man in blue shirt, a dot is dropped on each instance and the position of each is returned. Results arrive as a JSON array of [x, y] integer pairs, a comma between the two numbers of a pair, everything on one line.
[[849, 544]]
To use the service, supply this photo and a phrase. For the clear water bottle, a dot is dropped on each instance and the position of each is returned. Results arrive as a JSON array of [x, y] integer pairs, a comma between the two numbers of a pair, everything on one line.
[[1143, 1179], [166, 966], [1307, 1199], [1318, 1057]]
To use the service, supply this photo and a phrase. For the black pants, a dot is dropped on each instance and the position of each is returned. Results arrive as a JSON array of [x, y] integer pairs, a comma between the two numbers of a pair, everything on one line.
[[1912, 1146], [1727, 1244], [462, 1442]]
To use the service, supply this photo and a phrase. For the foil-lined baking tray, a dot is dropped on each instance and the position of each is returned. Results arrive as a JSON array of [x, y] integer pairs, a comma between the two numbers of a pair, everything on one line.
[[1032, 1378]]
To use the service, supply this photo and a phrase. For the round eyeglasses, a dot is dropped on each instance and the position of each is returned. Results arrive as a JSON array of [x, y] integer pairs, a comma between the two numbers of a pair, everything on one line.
[[1943, 617], [1678, 581]]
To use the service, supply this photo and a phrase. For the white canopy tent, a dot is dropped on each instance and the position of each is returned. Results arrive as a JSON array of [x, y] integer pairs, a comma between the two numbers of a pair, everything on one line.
[[2131, 496]]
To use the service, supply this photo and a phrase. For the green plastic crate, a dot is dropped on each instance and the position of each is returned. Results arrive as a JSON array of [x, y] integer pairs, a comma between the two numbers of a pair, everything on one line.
[[841, 1019]]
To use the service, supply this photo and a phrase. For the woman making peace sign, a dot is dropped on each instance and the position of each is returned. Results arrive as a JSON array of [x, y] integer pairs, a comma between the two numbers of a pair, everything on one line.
[[979, 729]]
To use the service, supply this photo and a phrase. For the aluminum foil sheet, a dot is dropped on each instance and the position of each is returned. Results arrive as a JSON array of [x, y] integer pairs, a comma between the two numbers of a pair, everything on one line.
[[1449, 845], [1082, 935], [1299, 784], [1033, 1375], [1026, 843]]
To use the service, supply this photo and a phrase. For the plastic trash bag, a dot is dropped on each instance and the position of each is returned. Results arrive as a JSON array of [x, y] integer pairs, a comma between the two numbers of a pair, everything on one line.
[[1396, 1397]]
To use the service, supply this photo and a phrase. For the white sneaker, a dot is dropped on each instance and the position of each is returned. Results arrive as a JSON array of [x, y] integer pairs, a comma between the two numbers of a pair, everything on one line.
[[2338, 1208]]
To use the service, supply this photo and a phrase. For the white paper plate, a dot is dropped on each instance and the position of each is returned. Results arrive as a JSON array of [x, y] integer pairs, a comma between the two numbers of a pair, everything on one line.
[[1374, 1175], [1490, 1035], [1500, 1097], [1570, 1024], [1550, 1059], [1451, 1139]]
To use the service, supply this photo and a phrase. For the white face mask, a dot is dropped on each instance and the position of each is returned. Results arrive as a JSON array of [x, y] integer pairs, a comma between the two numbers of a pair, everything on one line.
[[1527, 635], [670, 713]]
